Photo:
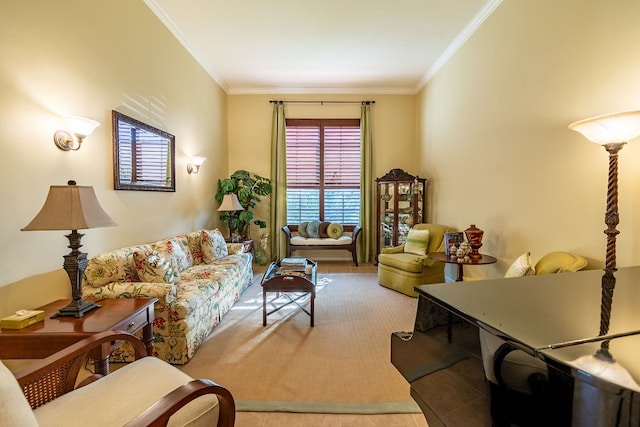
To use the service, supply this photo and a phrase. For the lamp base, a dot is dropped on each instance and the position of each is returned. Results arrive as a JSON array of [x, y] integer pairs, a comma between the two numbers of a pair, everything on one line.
[[76, 308]]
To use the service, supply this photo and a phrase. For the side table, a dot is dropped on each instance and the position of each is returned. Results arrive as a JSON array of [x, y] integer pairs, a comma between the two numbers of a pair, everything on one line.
[[442, 257], [44, 338]]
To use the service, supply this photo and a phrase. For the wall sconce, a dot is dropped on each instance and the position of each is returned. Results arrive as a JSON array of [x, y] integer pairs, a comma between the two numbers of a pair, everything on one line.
[[79, 127], [194, 166]]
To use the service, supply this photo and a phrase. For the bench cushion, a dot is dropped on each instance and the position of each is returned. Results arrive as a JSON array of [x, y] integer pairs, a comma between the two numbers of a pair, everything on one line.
[[302, 241]]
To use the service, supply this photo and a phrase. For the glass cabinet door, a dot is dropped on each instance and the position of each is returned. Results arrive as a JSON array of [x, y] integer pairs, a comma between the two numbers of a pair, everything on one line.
[[400, 205]]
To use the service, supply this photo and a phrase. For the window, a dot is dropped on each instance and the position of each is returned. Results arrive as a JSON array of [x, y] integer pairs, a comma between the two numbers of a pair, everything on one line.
[[323, 170], [143, 156]]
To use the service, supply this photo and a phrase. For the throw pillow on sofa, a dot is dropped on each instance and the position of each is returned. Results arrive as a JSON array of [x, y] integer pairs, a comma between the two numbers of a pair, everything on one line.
[[153, 267], [522, 266], [171, 249], [213, 245]]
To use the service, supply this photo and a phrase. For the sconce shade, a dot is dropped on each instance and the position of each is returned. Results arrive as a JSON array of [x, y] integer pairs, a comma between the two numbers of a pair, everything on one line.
[[70, 207], [198, 161], [230, 202], [609, 128], [81, 127]]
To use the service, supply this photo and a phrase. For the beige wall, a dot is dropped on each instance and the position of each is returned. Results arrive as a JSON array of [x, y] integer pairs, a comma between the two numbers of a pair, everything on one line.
[[393, 119], [88, 58], [493, 130]]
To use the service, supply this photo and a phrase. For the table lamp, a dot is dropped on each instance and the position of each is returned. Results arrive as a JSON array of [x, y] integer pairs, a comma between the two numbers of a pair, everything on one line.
[[72, 207], [230, 203]]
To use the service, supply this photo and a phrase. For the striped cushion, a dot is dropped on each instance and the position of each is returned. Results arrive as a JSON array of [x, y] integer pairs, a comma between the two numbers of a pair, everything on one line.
[[416, 242]]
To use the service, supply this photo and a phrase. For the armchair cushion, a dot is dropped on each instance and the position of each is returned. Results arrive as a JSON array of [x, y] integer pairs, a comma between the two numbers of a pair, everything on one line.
[[14, 407], [402, 261], [416, 242], [124, 394]]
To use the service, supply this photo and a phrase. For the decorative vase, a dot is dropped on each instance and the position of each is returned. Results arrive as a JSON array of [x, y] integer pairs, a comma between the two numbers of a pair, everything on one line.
[[474, 237]]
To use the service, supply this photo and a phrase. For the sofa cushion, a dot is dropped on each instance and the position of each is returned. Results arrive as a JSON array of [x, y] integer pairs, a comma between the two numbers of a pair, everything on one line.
[[213, 246], [14, 407], [155, 267], [322, 229], [335, 230], [522, 266], [301, 241], [312, 229], [302, 229], [416, 242], [195, 246]]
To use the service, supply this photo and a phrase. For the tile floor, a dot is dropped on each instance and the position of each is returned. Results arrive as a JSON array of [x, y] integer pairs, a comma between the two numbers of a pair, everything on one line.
[[278, 419]]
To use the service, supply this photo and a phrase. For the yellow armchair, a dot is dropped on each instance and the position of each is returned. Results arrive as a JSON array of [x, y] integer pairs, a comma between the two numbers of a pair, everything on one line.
[[402, 271]]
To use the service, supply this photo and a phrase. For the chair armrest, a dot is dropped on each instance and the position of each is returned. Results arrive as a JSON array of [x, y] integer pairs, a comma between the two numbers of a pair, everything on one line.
[[158, 414], [393, 250], [427, 262], [163, 291], [53, 376]]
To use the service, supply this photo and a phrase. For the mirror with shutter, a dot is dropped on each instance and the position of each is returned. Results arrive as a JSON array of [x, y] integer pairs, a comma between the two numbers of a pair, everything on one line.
[[143, 156]]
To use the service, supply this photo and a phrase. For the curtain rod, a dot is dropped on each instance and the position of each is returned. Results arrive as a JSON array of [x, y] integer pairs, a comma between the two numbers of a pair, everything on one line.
[[274, 101]]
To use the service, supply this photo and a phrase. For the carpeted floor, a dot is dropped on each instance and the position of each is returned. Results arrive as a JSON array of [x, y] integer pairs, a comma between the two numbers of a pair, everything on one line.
[[342, 365]]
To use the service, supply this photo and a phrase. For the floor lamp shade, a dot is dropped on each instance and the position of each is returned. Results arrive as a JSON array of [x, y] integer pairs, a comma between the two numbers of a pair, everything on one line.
[[72, 207]]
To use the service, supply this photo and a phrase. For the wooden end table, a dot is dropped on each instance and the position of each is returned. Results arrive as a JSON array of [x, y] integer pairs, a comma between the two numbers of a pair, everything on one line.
[[44, 338], [442, 257], [305, 284]]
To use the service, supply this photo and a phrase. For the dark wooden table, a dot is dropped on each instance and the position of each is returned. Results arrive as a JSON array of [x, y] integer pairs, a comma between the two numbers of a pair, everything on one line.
[[44, 338], [442, 257], [273, 281]]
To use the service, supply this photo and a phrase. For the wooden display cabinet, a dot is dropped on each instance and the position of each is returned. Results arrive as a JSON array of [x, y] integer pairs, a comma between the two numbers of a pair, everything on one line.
[[400, 203]]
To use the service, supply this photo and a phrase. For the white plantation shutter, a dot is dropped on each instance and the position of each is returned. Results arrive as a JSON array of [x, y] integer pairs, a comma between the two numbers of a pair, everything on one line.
[[323, 170]]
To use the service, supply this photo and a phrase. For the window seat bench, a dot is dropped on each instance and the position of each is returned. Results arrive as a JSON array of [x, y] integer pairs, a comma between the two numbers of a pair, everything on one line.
[[347, 242]]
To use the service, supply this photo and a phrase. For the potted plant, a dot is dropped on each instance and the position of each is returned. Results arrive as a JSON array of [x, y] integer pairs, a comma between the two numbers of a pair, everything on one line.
[[249, 189]]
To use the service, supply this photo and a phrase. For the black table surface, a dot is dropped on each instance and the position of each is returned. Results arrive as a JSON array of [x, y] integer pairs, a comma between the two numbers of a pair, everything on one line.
[[554, 317]]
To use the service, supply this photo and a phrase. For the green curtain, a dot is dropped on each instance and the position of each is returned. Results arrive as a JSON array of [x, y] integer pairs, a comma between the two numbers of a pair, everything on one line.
[[366, 185], [278, 214]]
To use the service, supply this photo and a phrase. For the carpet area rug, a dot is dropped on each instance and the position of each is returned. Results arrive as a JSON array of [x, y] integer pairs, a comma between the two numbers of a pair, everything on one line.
[[341, 365]]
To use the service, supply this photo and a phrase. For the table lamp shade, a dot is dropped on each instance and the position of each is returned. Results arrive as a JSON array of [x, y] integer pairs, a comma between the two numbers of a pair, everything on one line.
[[609, 128], [70, 207], [230, 202]]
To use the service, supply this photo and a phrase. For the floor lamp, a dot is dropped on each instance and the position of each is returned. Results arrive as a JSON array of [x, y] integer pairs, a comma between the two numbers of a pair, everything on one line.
[[611, 131], [72, 207]]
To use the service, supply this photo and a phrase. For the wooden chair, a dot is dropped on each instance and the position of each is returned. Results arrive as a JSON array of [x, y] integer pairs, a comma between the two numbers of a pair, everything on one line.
[[146, 392]]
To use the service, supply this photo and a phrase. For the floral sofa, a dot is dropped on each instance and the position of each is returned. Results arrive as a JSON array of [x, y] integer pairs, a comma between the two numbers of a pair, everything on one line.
[[197, 277]]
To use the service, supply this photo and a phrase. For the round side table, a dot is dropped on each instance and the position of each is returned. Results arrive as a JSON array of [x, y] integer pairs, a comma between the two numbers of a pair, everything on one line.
[[442, 257]]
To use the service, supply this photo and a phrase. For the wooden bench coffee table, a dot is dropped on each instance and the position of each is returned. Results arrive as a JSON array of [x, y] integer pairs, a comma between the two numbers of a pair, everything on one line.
[[301, 283]]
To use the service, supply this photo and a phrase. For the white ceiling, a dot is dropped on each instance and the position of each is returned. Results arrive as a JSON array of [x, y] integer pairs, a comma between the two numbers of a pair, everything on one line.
[[328, 46]]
